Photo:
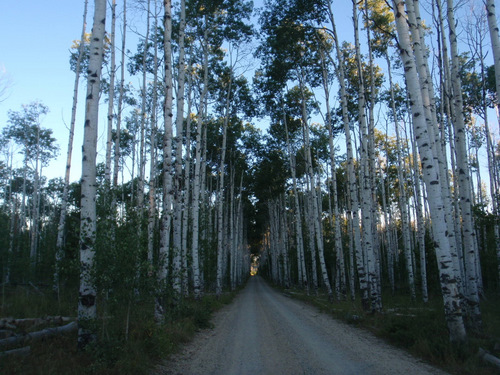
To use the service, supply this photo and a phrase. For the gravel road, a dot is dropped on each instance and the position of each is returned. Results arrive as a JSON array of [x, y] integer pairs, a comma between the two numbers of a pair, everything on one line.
[[265, 332]]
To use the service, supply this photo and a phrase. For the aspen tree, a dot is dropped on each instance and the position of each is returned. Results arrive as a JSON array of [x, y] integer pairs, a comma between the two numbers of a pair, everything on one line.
[[353, 202], [64, 198], [468, 230], [339, 252], [111, 95], [153, 149], [87, 311], [177, 187], [197, 178], [144, 116], [495, 44], [117, 150], [437, 142], [220, 201], [451, 296], [167, 158], [316, 225], [301, 267]]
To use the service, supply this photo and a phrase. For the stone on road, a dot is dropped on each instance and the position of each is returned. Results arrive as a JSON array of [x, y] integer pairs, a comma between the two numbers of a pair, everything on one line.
[[264, 332]]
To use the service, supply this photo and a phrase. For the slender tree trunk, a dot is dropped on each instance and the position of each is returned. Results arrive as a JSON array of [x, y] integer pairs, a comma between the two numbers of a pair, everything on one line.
[[468, 231], [117, 151], [87, 311], [367, 247], [339, 252], [179, 210], [301, 267], [449, 288], [495, 42], [36, 204], [152, 210], [111, 95], [142, 137], [64, 199], [197, 179], [351, 175], [167, 157]]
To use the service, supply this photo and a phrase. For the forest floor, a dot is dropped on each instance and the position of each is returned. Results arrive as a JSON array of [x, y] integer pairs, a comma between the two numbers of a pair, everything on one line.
[[265, 332]]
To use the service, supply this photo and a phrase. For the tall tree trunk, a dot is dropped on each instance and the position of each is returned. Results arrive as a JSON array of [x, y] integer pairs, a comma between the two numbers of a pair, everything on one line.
[[367, 246], [339, 252], [449, 288], [152, 210], [111, 95], [197, 178], [178, 193], [64, 198], [351, 175], [220, 198], [495, 42], [468, 231], [87, 311], [167, 157], [301, 267], [490, 149], [142, 137]]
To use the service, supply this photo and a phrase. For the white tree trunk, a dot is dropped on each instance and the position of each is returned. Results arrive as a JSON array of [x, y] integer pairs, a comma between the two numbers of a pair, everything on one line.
[[87, 294], [167, 158], [111, 94], [64, 198], [351, 175], [177, 187], [495, 41], [152, 210], [449, 288], [469, 233], [301, 267], [197, 178]]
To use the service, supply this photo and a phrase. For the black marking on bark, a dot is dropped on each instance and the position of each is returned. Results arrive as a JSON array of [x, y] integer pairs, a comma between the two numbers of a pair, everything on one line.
[[435, 182], [87, 300]]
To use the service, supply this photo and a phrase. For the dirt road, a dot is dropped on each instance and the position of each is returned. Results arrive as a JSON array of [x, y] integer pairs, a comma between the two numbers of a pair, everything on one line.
[[265, 332]]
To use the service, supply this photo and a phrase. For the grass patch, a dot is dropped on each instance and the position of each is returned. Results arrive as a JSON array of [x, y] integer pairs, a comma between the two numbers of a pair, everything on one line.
[[129, 341], [420, 328]]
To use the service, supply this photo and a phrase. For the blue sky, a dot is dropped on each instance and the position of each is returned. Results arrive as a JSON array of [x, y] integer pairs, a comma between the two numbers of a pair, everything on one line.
[[35, 42], [35, 39]]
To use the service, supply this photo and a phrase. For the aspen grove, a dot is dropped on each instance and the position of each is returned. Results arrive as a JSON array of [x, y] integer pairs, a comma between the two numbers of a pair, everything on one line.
[[242, 137]]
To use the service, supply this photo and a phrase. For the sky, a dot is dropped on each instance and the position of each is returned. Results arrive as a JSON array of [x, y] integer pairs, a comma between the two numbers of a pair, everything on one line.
[[35, 41]]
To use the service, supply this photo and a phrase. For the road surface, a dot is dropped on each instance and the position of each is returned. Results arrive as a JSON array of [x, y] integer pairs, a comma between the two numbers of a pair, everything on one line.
[[264, 332]]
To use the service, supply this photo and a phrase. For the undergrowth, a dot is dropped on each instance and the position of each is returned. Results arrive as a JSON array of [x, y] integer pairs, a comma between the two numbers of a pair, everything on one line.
[[420, 328], [129, 340]]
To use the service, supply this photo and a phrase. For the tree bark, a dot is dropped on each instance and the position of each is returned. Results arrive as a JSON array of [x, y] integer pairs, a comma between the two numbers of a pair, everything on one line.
[[64, 198], [449, 288], [87, 311]]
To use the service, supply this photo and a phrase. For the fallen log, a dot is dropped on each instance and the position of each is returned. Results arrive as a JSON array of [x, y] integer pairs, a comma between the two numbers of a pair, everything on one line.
[[12, 323], [38, 335], [18, 352], [489, 358], [5, 333]]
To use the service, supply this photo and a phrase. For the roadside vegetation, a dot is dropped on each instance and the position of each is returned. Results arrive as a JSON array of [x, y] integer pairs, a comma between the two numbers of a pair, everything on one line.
[[419, 328], [129, 340]]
